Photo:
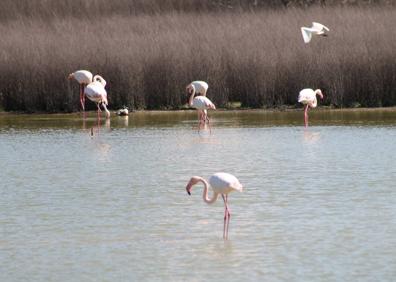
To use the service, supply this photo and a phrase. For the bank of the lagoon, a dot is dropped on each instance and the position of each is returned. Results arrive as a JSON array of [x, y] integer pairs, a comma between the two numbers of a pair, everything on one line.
[[257, 117]]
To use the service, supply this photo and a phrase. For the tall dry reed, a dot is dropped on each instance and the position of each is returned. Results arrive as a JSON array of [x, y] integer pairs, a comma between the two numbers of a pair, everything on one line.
[[45, 9], [257, 58]]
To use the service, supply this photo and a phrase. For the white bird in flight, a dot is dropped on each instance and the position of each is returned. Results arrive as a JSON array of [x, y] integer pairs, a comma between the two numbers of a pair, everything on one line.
[[307, 97], [316, 28], [222, 184]]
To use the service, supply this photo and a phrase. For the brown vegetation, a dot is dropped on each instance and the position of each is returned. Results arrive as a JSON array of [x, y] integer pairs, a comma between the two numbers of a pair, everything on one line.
[[256, 57]]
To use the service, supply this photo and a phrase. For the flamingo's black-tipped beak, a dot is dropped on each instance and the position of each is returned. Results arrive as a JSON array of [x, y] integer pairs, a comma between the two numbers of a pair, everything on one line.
[[188, 191]]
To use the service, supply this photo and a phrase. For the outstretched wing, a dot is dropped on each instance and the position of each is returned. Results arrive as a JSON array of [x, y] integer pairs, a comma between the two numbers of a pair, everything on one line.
[[306, 33], [319, 26]]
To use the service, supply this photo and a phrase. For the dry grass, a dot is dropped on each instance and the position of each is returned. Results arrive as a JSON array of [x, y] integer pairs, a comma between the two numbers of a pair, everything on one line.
[[257, 58]]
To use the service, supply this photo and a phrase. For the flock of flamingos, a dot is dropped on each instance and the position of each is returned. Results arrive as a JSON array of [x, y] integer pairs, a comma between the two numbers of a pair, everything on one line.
[[93, 87]]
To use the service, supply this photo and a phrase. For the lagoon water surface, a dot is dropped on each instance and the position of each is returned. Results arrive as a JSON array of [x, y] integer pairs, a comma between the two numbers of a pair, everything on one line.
[[319, 204]]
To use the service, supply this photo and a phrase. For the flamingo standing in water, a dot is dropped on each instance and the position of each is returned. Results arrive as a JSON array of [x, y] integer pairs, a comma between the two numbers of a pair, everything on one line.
[[222, 184], [201, 103], [83, 78], [96, 92], [316, 28], [307, 97], [198, 87]]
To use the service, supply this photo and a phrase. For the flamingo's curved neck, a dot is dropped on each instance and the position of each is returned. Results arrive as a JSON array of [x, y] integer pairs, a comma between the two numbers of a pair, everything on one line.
[[106, 110], [190, 101], [314, 103], [100, 79], [205, 195]]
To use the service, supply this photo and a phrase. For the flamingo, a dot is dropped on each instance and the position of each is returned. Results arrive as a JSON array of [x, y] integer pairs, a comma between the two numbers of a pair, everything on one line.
[[96, 92], [222, 184], [84, 78], [316, 28], [198, 87], [201, 103], [307, 97]]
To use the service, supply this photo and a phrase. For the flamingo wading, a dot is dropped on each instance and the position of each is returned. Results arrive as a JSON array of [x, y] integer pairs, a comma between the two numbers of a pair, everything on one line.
[[83, 78], [222, 184], [202, 104], [200, 88], [307, 97], [316, 28], [96, 92]]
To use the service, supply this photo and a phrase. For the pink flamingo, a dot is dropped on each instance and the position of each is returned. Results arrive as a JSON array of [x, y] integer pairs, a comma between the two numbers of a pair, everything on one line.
[[201, 103], [197, 87], [96, 92], [307, 97], [200, 88], [221, 183], [83, 78]]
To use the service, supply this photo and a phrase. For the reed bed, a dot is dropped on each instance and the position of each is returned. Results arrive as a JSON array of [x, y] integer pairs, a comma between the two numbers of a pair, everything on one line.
[[255, 57]]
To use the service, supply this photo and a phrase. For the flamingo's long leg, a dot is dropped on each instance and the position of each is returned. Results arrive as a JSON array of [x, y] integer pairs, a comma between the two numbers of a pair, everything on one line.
[[201, 120], [228, 215], [99, 110], [306, 115], [225, 217], [210, 128], [82, 96]]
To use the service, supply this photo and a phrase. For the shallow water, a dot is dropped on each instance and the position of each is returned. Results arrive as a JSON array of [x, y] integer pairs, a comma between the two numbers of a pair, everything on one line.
[[319, 204]]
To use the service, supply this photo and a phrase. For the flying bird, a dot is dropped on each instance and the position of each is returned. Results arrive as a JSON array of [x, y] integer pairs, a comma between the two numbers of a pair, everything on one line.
[[307, 97], [222, 184], [316, 28]]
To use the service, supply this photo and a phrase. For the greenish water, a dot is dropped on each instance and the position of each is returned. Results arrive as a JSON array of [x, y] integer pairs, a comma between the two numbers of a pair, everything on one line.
[[319, 203]]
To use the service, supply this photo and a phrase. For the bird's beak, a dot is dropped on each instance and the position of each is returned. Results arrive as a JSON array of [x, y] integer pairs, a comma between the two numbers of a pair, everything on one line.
[[188, 189]]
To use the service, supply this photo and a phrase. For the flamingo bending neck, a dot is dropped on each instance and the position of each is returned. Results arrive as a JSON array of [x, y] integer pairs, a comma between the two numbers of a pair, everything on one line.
[[106, 110], [190, 101], [319, 92], [100, 79], [194, 180]]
